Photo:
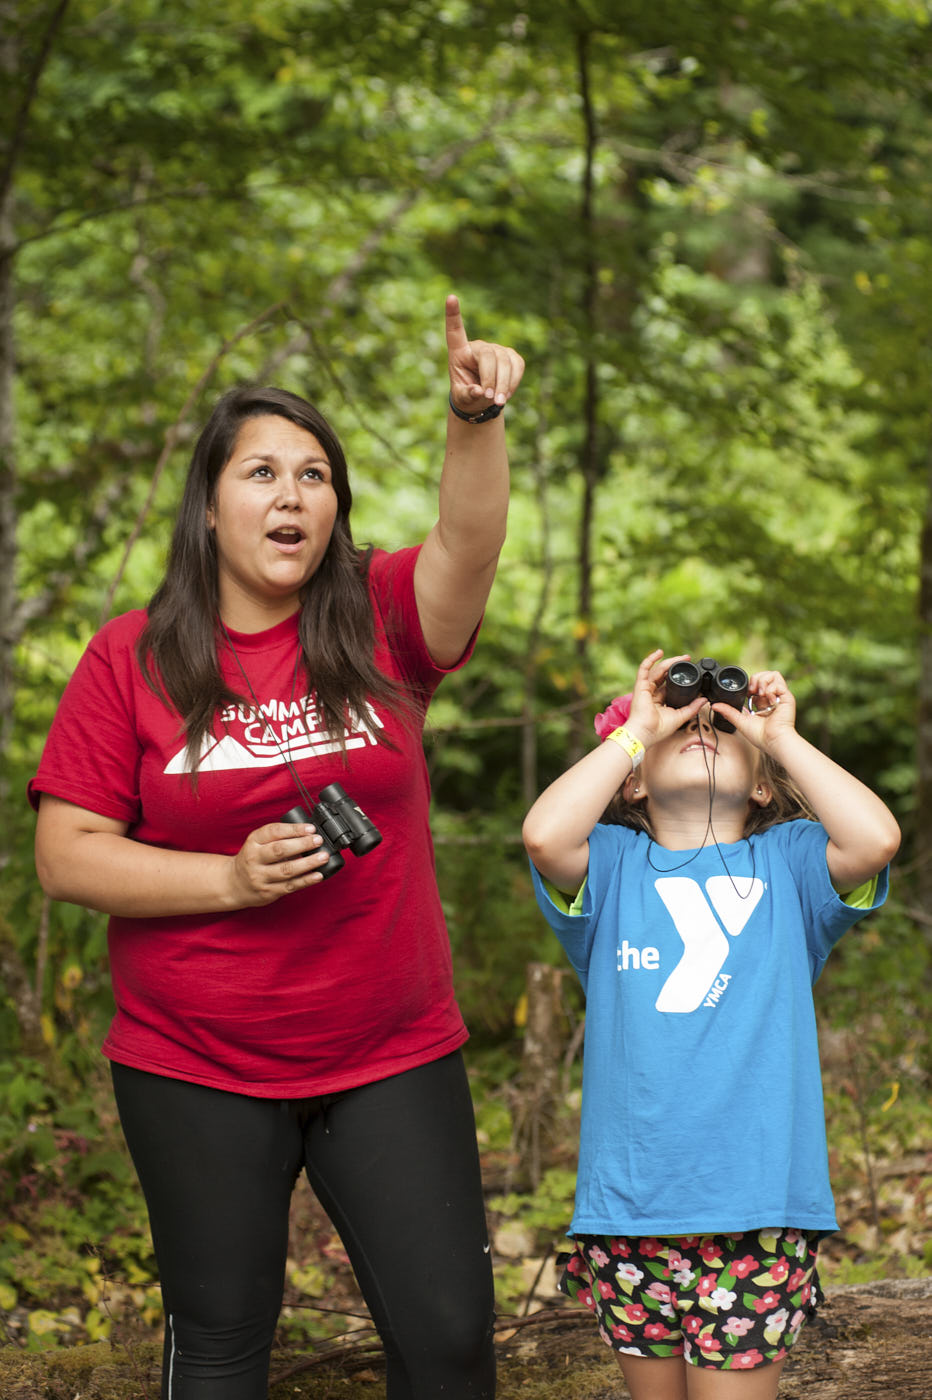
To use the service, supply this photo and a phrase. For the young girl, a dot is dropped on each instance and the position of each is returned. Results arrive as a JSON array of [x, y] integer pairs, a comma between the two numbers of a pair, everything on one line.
[[697, 911]]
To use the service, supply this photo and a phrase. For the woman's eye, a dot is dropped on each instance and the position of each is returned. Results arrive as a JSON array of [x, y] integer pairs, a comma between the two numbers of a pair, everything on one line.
[[265, 473]]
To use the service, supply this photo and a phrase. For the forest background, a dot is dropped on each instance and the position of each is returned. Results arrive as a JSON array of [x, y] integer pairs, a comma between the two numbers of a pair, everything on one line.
[[708, 228]]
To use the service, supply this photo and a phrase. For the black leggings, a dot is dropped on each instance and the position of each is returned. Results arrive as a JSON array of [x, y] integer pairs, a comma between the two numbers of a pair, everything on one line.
[[396, 1167]]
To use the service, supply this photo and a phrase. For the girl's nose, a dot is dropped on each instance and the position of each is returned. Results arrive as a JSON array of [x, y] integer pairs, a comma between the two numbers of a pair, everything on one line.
[[702, 720]]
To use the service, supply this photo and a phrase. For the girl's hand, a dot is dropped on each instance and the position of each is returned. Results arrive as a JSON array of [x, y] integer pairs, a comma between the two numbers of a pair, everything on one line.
[[650, 719], [772, 711], [480, 373], [273, 861]]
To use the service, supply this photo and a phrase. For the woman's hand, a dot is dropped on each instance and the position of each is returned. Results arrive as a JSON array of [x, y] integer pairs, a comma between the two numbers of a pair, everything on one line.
[[273, 861], [86, 858], [480, 373]]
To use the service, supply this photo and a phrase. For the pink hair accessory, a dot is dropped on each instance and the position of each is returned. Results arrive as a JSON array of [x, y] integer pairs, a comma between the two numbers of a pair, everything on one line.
[[613, 717]]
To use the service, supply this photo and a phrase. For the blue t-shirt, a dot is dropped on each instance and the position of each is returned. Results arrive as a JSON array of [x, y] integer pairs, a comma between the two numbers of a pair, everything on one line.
[[702, 1094]]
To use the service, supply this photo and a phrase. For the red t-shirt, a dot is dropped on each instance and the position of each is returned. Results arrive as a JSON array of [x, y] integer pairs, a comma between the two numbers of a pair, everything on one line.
[[334, 986]]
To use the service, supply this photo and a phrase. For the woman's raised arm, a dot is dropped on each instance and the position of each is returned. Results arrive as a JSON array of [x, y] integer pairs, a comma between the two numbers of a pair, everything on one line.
[[457, 564]]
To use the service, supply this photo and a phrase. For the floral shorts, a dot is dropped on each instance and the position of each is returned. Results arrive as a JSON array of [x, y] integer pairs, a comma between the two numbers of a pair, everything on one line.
[[730, 1302]]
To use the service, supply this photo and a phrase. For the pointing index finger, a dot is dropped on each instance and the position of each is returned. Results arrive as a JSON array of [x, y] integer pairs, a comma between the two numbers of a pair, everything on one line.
[[457, 338]]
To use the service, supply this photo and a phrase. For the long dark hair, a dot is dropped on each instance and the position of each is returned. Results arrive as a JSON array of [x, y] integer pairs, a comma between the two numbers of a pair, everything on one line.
[[786, 804], [177, 651]]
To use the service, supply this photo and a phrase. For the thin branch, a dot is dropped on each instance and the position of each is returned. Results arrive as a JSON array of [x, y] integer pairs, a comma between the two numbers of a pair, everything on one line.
[[122, 206], [59, 581], [560, 1314], [50, 662], [355, 1354], [526, 1309], [512, 721], [200, 190], [42, 949], [488, 838], [367, 1349], [540, 463], [919, 915], [591, 468], [684, 167], [171, 439], [32, 84], [322, 358], [344, 279]]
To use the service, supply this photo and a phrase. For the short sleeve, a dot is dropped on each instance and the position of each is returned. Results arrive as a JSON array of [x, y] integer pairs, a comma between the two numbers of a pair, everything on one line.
[[827, 914], [391, 587], [93, 751], [574, 920]]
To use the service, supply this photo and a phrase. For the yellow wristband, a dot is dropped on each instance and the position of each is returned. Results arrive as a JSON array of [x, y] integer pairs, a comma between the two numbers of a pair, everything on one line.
[[630, 743]]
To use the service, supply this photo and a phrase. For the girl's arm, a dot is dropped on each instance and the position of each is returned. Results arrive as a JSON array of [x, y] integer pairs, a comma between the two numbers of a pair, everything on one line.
[[557, 828], [863, 833], [85, 858], [457, 563]]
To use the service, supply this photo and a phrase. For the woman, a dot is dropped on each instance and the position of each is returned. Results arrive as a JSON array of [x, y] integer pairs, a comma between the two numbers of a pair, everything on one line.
[[269, 1021]]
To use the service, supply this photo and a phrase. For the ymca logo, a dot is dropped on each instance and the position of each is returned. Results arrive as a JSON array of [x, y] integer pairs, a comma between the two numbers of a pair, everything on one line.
[[705, 947], [702, 921]]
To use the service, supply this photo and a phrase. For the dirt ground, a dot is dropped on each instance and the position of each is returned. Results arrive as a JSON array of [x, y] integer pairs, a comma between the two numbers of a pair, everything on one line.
[[870, 1342], [867, 1342]]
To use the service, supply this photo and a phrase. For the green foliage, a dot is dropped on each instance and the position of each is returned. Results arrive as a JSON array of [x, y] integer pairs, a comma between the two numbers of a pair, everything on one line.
[[548, 1208], [74, 1245], [879, 975], [491, 915], [286, 191], [751, 456]]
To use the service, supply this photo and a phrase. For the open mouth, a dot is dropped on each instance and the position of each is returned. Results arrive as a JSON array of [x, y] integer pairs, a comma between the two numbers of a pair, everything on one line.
[[286, 535]]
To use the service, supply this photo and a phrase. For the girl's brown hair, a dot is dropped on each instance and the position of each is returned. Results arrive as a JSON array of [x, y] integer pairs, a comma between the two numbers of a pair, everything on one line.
[[786, 804]]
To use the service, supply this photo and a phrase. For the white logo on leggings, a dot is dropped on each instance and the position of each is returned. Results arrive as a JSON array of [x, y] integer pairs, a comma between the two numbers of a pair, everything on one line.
[[705, 947]]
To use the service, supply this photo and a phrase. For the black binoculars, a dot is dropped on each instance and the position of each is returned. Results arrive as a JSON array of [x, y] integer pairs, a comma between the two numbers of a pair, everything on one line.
[[725, 684], [341, 824]]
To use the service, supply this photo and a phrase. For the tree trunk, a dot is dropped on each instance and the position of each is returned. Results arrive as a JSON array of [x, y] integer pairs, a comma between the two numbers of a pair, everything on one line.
[[8, 638], [923, 823], [539, 1080], [19, 83], [19, 88], [589, 455]]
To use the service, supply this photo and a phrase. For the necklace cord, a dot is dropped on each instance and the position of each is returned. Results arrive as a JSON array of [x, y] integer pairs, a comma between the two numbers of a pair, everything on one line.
[[286, 757], [710, 829]]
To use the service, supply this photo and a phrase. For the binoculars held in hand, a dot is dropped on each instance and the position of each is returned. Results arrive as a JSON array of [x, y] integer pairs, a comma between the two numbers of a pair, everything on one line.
[[341, 824], [725, 684]]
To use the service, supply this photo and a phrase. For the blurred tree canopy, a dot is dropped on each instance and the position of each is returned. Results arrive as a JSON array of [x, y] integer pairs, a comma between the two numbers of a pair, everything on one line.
[[707, 226]]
